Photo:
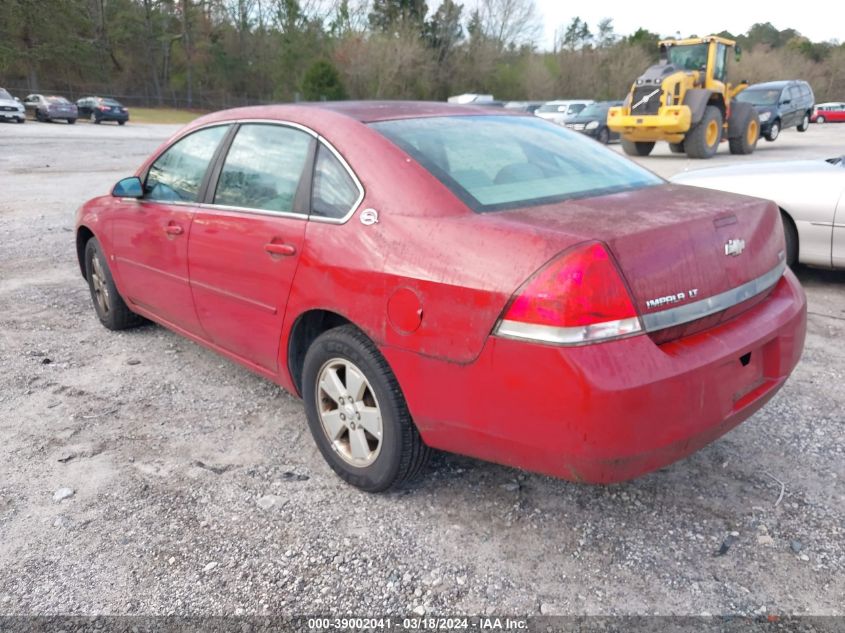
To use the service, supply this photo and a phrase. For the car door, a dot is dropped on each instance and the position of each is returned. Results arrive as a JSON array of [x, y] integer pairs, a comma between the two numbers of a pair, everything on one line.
[[836, 113], [795, 112], [246, 240], [150, 235]]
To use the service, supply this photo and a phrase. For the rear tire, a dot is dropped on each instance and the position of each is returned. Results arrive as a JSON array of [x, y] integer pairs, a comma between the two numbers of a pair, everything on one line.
[[71, 121], [790, 234], [702, 141], [633, 148], [805, 123], [109, 306], [746, 142], [774, 131], [676, 148], [121, 122], [820, 119], [345, 373]]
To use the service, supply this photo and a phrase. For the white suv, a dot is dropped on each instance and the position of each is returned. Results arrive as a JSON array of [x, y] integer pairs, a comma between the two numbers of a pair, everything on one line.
[[561, 110]]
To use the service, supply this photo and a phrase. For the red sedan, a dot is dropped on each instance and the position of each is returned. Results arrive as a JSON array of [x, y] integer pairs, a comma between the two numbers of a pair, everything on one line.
[[451, 277]]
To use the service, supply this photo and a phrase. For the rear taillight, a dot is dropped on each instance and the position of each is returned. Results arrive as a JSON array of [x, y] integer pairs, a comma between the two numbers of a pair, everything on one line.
[[103, 108], [577, 298]]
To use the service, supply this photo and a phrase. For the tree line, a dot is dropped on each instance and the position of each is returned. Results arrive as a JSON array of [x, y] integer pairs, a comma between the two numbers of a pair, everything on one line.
[[219, 53]]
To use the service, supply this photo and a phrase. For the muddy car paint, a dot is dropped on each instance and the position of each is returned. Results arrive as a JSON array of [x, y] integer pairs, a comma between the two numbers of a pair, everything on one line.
[[430, 300]]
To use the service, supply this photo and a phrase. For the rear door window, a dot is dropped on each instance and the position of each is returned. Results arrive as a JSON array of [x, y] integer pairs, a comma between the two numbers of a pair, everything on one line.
[[177, 174], [263, 168]]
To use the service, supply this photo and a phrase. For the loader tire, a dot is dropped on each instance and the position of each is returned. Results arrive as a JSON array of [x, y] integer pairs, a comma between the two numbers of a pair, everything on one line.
[[633, 148], [702, 141], [746, 142]]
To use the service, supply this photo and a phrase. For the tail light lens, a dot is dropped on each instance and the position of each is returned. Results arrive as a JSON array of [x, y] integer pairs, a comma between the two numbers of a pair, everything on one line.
[[576, 299], [103, 108]]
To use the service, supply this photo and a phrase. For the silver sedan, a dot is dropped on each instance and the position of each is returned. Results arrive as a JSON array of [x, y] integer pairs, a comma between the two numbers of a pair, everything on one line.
[[811, 197]]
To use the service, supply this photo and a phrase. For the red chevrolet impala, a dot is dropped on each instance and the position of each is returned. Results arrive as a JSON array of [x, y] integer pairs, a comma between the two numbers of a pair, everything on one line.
[[434, 276]]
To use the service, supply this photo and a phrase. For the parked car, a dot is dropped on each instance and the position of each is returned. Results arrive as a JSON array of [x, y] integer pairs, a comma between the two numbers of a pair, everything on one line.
[[99, 109], [50, 108], [598, 323], [524, 106], [592, 121], [780, 105], [811, 197], [828, 112], [560, 111], [11, 109]]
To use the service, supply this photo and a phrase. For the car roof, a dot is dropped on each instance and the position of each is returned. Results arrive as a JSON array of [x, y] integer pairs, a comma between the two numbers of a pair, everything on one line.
[[776, 84], [361, 111]]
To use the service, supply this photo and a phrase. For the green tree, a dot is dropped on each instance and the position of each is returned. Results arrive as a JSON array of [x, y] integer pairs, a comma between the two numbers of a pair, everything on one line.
[[322, 82]]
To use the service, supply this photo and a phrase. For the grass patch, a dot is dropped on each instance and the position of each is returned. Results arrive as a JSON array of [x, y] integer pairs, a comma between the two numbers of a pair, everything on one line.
[[162, 115]]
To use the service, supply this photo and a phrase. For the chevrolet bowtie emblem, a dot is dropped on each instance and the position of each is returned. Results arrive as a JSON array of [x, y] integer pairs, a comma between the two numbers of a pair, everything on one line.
[[734, 247]]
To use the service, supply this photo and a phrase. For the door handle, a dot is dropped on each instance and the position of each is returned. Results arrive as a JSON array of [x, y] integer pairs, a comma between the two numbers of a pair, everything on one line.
[[173, 229], [274, 248]]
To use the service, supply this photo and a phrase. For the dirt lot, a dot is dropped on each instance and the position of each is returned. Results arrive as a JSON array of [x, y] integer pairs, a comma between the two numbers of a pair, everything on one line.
[[197, 488]]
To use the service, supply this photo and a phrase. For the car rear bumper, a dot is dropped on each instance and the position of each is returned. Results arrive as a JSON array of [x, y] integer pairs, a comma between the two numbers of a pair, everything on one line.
[[108, 116], [607, 412]]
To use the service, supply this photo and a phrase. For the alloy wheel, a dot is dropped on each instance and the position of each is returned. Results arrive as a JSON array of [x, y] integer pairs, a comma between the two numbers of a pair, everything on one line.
[[349, 412], [101, 289]]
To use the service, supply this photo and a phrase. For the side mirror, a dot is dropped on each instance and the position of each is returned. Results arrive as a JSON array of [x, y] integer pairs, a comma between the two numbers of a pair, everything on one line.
[[18, 99], [737, 52], [128, 188]]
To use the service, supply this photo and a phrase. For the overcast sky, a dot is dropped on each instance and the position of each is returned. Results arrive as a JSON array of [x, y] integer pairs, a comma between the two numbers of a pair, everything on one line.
[[819, 21]]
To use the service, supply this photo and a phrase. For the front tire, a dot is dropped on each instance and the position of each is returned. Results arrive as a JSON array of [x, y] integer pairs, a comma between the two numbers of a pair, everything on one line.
[[110, 307], [774, 131], [357, 414], [805, 123], [633, 148], [703, 139], [746, 142], [603, 136]]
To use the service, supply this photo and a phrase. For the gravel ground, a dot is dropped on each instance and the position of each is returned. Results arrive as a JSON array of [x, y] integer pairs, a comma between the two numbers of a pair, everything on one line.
[[143, 474]]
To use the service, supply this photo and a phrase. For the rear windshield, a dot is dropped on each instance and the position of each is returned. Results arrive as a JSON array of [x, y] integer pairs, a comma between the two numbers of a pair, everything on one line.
[[109, 102], [759, 97], [57, 100], [497, 162], [552, 107]]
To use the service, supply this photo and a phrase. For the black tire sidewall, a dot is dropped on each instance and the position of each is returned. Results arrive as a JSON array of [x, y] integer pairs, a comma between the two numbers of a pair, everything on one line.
[[604, 136], [773, 134], [339, 343], [92, 249]]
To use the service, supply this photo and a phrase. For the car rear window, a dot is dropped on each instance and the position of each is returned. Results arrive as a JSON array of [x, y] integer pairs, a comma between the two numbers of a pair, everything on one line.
[[57, 100], [499, 162]]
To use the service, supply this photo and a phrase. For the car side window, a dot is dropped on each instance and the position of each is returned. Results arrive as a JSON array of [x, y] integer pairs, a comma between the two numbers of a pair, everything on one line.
[[263, 168], [176, 175], [795, 95], [335, 193]]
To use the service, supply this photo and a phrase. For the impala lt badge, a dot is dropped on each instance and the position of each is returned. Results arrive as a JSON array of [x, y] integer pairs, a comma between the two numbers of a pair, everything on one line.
[[670, 299], [734, 247]]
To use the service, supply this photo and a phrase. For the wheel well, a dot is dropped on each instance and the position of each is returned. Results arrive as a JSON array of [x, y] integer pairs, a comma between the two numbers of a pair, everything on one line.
[[717, 100], [82, 236], [308, 326], [788, 218]]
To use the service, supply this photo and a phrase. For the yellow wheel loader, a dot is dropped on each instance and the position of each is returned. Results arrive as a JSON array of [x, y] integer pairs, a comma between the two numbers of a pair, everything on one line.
[[686, 101]]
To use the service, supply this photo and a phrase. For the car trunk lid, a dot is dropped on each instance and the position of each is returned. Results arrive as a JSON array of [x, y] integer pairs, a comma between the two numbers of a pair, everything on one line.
[[690, 257]]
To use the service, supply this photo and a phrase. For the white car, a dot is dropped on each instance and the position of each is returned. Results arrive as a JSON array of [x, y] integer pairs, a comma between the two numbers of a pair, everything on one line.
[[811, 197], [561, 110], [10, 108]]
